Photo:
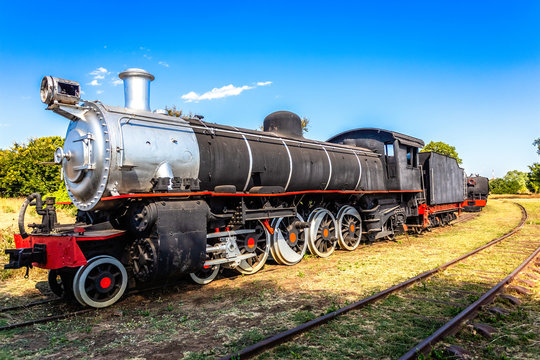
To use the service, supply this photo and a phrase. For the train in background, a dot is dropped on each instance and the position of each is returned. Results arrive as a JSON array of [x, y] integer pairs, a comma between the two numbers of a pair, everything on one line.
[[477, 192], [161, 197]]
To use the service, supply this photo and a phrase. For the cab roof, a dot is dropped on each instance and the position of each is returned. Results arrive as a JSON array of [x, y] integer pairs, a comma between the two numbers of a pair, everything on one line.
[[378, 134]]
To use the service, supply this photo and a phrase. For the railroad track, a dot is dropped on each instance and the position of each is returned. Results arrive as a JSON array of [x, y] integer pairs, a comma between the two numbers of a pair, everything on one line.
[[452, 326], [426, 345], [465, 217]]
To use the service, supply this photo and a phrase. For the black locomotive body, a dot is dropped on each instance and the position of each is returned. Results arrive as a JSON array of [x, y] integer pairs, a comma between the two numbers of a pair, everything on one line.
[[477, 188], [161, 197]]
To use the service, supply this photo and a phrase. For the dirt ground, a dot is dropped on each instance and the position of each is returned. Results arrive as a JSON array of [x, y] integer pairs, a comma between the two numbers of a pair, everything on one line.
[[193, 322]]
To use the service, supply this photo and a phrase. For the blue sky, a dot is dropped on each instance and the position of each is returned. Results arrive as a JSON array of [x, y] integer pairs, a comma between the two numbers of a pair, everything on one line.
[[466, 73]]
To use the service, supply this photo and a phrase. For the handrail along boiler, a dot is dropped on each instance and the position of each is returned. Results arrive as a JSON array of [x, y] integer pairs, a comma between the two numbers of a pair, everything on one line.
[[159, 196]]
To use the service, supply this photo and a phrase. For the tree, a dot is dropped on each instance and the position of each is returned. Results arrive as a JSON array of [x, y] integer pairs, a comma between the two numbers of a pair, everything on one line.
[[514, 182], [22, 171], [496, 186], [537, 144], [442, 148], [534, 178], [533, 183]]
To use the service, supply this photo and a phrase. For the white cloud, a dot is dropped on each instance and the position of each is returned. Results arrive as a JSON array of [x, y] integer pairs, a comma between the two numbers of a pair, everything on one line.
[[99, 74], [218, 93], [5, 125], [117, 82], [147, 56], [99, 71], [99, 92], [163, 63]]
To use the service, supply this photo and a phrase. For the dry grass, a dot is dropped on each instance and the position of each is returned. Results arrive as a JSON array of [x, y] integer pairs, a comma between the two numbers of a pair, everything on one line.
[[514, 196], [517, 334], [389, 328], [9, 214]]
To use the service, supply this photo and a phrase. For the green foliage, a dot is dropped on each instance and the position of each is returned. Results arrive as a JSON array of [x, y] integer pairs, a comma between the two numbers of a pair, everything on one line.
[[442, 148], [60, 195], [514, 182], [534, 177], [304, 122], [21, 172], [537, 144]]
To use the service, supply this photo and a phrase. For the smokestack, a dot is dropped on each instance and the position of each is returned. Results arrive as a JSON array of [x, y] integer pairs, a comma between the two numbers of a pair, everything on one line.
[[137, 88]]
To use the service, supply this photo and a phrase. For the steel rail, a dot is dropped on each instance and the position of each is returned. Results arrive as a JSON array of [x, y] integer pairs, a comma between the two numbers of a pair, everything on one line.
[[470, 312], [44, 320], [279, 338], [29, 305]]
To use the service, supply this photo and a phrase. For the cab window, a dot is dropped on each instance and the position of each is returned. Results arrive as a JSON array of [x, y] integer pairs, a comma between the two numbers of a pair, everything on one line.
[[412, 156]]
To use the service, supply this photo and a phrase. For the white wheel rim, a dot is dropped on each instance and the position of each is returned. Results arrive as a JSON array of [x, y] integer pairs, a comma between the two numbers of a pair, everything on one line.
[[281, 250], [352, 212], [245, 268], [317, 216], [77, 276], [274, 252], [205, 280], [79, 288]]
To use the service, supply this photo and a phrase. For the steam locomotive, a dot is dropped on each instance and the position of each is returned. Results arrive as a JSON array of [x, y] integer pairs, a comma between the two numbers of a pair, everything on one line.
[[159, 197], [477, 193]]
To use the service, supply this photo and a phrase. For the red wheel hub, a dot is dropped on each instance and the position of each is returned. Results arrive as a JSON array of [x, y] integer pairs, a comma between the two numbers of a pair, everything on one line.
[[251, 242], [105, 282]]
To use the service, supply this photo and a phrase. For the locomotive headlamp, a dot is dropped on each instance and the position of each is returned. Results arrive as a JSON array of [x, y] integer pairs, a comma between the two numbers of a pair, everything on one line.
[[55, 90]]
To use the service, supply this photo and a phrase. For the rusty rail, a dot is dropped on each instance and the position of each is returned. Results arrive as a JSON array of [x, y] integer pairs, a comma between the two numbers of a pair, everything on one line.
[[44, 320], [277, 339], [470, 312]]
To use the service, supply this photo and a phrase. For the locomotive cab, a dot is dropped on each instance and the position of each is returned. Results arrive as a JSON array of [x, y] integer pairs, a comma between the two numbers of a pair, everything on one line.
[[398, 151]]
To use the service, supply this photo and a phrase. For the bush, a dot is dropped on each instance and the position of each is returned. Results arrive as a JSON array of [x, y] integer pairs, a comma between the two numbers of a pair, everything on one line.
[[22, 171], [514, 182]]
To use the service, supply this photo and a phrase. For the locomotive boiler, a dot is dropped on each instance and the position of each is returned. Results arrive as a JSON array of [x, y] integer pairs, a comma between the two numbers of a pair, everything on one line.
[[161, 196]]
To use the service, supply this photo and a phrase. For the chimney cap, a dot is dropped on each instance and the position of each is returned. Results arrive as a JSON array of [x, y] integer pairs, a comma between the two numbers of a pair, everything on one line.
[[136, 72]]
